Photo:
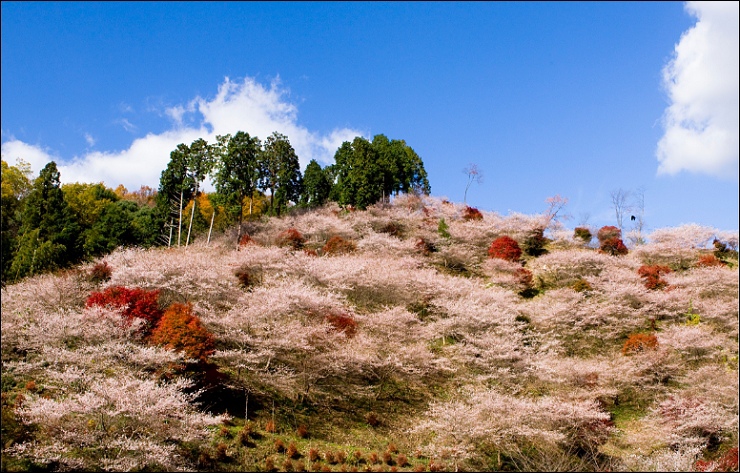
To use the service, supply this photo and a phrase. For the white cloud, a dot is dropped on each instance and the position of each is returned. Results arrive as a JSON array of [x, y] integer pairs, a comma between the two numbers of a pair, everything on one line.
[[246, 106], [701, 123], [89, 139], [36, 156]]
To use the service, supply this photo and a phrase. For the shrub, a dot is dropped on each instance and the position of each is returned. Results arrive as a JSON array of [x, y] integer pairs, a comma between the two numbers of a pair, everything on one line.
[[221, 454], [287, 465], [180, 330], [302, 431], [373, 458], [506, 248], [581, 285], [313, 455], [270, 464], [583, 233], [387, 457], [343, 323], [292, 238], [338, 246], [727, 462], [279, 446], [651, 274], [425, 247], [613, 246], [248, 276], [402, 461], [136, 303], [708, 261], [443, 229], [471, 213], [292, 450], [372, 419], [608, 232], [101, 272], [523, 278], [246, 240], [534, 243], [329, 457], [639, 342], [270, 426], [341, 457]]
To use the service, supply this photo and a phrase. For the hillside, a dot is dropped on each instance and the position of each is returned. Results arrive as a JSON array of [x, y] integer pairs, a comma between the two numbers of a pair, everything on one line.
[[401, 345]]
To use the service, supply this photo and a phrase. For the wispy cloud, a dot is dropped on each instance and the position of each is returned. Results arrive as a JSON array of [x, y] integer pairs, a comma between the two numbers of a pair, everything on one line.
[[89, 139], [701, 123], [245, 105], [127, 125]]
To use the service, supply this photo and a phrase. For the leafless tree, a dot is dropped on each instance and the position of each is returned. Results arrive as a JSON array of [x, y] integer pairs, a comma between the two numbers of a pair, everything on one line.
[[475, 174], [621, 205], [638, 215]]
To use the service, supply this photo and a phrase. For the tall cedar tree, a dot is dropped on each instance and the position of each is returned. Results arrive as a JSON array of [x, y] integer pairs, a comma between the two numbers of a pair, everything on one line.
[[279, 171], [237, 170], [175, 183], [48, 234], [316, 186], [367, 172]]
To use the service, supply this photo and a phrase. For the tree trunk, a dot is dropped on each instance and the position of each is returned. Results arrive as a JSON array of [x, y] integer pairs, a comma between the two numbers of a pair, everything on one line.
[[192, 214], [211, 227], [179, 222]]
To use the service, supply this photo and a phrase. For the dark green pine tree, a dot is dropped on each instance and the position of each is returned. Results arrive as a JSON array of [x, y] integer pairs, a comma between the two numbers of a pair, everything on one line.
[[49, 231]]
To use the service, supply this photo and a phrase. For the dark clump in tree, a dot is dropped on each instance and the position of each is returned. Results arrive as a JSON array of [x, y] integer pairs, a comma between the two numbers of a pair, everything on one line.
[[534, 243], [583, 233]]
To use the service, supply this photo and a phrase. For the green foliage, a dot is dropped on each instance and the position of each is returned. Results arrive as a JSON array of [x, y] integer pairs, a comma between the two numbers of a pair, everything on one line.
[[279, 171], [16, 184], [48, 231], [534, 243], [692, 318], [367, 172], [443, 229], [316, 186]]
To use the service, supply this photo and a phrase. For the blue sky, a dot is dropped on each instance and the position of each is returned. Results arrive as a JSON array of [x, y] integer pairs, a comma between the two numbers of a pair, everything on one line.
[[576, 99]]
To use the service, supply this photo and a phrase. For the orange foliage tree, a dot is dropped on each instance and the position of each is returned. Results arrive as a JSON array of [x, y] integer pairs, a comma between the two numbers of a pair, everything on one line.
[[180, 330]]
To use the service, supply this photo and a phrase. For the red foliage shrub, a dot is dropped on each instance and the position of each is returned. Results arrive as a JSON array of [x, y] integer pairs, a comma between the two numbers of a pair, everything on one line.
[[505, 248], [343, 323], [471, 213], [136, 303], [338, 246], [651, 274], [270, 426], [387, 457], [707, 261], [614, 247], [608, 232], [302, 431], [101, 272], [246, 240], [291, 451], [583, 233], [310, 252], [180, 330], [639, 342], [292, 238], [727, 462], [402, 461], [313, 455]]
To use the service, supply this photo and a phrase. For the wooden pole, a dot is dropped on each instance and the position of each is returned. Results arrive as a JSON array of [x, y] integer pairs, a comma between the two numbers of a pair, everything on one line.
[[211, 228], [179, 222], [192, 214]]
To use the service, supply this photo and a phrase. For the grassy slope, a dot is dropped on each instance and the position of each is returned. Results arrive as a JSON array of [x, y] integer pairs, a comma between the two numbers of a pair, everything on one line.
[[450, 365]]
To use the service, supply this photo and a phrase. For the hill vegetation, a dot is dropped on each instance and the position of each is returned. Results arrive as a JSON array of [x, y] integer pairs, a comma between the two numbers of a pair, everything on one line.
[[415, 335]]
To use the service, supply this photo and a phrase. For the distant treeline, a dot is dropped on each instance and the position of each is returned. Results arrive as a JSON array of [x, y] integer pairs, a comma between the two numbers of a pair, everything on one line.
[[46, 225]]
